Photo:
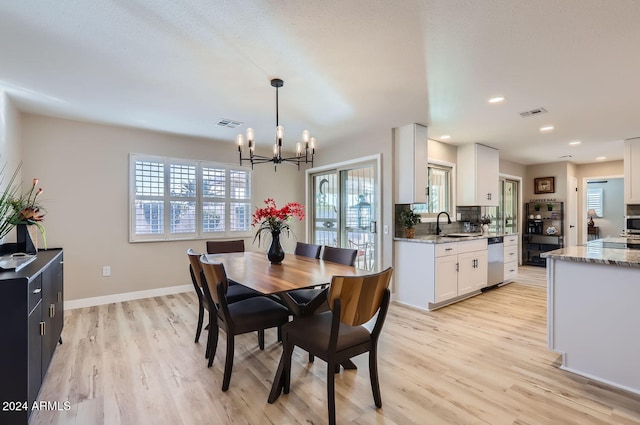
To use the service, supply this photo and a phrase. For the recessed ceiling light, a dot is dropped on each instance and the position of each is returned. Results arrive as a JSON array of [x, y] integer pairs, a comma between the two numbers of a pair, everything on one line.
[[575, 143], [601, 158], [497, 99], [445, 137], [546, 128]]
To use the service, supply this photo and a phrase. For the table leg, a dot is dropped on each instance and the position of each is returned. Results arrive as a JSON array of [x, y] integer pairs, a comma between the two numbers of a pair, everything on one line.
[[278, 382]]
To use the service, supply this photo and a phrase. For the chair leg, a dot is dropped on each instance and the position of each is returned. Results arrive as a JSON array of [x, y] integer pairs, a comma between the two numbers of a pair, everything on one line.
[[228, 362], [311, 358], [373, 375], [212, 344], [331, 392], [336, 368], [200, 320], [261, 338], [279, 333]]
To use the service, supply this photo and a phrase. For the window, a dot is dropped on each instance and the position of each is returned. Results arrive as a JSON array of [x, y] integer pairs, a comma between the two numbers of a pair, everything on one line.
[[173, 199], [439, 192], [594, 201]]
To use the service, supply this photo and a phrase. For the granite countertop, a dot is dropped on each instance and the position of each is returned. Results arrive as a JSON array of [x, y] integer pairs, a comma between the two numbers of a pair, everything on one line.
[[609, 250], [445, 239]]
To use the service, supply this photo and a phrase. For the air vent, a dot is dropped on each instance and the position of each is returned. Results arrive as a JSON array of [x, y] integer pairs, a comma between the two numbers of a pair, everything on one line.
[[533, 112], [224, 122], [566, 156]]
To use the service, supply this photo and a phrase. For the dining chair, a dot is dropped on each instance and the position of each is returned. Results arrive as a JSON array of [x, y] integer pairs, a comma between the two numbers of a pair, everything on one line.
[[235, 293], [307, 250], [345, 256], [304, 296], [338, 335], [223, 247], [252, 314]]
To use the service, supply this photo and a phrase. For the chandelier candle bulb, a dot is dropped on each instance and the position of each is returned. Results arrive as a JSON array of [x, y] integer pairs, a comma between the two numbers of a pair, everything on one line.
[[305, 136], [280, 134], [312, 145], [240, 140], [298, 149]]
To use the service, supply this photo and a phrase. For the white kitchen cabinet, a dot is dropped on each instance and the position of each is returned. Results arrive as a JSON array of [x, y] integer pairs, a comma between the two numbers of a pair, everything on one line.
[[632, 171], [429, 276], [446, 278], [510, 257], [410, 159], [473, 261], [478, 175]]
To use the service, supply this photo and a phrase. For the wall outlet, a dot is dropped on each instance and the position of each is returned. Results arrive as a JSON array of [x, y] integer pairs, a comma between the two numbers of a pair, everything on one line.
[[385, 229], [106, 271]]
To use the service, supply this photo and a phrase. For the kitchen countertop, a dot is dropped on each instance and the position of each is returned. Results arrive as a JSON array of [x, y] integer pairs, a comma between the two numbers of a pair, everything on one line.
[[610, 250], [445, 239]]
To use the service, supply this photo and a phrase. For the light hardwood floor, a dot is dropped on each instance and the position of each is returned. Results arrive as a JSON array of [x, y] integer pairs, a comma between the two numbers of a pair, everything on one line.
[[481, 361]]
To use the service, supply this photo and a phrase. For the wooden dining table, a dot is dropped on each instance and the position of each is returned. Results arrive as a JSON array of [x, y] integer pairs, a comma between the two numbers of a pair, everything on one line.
[[253, 270]]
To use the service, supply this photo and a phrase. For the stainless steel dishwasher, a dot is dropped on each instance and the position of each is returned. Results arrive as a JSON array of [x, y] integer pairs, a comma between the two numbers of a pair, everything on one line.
[[496, 260]]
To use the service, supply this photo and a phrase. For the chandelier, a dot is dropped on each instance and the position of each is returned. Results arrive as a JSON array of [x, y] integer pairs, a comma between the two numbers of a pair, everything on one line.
[[304, 150]]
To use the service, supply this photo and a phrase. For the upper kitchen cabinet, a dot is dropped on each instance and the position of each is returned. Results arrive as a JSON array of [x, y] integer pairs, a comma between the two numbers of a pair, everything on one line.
[[410, 151], [478, 181], [632, 171]]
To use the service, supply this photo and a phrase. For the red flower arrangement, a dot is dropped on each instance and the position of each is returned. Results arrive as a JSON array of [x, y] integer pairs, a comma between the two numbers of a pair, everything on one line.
[[271, 219]]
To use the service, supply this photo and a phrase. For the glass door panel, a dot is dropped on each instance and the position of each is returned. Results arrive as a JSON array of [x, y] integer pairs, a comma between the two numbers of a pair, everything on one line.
[[344, 210]]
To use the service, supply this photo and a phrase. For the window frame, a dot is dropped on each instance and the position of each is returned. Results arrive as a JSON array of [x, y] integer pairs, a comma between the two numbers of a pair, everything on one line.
[[431, 216], [166, 198]]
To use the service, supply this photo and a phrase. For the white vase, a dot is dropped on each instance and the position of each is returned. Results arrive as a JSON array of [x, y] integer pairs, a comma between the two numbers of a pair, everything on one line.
[[485, 229]]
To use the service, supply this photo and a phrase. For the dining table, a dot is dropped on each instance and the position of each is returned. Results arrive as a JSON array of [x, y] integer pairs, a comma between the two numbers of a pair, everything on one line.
[[253, 270]]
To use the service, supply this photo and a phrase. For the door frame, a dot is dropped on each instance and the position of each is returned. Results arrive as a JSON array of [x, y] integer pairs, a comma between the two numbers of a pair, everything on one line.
[[583, 202], [520, 210], [377, 158]]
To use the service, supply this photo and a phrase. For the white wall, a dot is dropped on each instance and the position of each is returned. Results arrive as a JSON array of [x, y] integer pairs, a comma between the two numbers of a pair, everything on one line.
[[83, 169], [10, 152]]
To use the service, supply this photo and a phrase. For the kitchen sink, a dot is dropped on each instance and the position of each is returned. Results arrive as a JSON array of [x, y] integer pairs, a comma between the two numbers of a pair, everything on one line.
[[461, 235]]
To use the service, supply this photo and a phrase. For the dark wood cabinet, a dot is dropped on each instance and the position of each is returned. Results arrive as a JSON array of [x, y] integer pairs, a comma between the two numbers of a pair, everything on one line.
[[543, 231], [31, 313]]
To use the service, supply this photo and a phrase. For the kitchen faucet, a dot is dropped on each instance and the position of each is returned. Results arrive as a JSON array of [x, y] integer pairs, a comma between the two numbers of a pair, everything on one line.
[[438, 221]]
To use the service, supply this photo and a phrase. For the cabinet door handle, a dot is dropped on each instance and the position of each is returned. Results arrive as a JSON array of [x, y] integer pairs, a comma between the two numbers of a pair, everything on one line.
[[52, 310], [457, 267], [448, 249], [42, 329], [489, 196], [37, 291], [373, 226]]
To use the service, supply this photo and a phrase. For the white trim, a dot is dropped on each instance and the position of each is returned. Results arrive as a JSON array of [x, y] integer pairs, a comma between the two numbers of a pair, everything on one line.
[[582, 220], [127, 296]]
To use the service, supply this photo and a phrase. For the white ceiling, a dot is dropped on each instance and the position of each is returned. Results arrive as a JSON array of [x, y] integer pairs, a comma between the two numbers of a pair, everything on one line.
[[348, 66]]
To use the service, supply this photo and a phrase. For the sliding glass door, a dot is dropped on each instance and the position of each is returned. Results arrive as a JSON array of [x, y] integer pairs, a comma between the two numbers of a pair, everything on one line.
[[344, 207]]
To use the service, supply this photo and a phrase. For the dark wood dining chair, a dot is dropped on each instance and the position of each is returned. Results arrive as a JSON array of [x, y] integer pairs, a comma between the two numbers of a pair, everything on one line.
[[340, 255], [307, 250], [338, 335], [223, 247], [235, 293], [252, 314]]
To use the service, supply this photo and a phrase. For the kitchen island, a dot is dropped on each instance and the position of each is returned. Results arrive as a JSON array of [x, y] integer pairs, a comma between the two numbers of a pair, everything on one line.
[[592, 311]]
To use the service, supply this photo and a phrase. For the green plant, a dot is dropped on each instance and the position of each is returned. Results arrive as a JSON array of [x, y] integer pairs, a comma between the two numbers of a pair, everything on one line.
[[7, 212], [537, 207], [408, 219], [550, 206]]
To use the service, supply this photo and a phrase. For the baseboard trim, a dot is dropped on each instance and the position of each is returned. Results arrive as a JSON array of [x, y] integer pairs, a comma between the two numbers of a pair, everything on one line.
[[127, 296]]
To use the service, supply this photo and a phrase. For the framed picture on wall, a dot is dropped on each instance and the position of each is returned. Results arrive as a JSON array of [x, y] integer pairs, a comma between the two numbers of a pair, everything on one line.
[[544, 185]]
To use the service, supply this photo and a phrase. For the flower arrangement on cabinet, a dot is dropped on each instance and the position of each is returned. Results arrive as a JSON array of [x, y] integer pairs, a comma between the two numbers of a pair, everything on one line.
[[27, 210], [273, 219]]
